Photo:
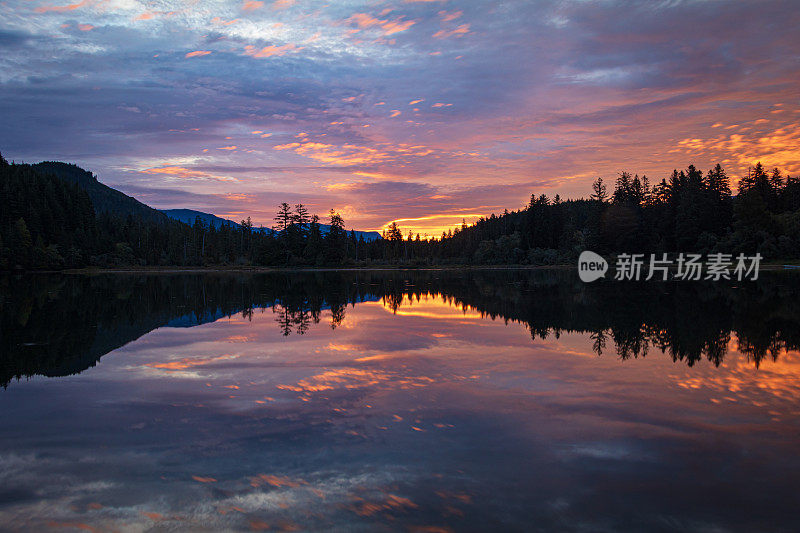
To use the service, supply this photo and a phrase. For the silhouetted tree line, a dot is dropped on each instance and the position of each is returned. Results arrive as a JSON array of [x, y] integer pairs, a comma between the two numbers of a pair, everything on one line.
[[49, 223], [57, 325], [688, 212]]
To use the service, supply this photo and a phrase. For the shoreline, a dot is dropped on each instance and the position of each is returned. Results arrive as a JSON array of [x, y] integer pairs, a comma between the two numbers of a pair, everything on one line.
[[781, 266]]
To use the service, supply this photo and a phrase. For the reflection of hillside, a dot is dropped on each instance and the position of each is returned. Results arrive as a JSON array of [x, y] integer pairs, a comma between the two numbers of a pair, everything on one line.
[[61, 325]]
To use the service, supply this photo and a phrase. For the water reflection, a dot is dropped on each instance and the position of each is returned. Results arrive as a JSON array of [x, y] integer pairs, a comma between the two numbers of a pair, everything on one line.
[[61, 325], [390, 400]]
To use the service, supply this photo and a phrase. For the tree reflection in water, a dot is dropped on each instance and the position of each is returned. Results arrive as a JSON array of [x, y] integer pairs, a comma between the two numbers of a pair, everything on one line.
[[61, 325]]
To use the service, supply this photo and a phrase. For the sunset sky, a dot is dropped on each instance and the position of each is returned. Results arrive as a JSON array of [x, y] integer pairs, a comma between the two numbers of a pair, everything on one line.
[[424, 112]]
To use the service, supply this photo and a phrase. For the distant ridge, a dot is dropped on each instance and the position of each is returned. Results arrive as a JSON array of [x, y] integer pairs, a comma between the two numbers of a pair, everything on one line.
[[110, 200], [188, 216], [104, 198]]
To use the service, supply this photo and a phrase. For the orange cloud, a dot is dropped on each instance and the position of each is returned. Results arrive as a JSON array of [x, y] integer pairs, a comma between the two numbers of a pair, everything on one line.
[[185, 173], [365, 21], [282, 4], [412, 102], [251, 5], [232, 147], [391, 503], [778, 147], [187, 363], [458, 32], [345, 155], [197, 53], [395, 113], [271, 50], [275, 481], [397, 26], [447, 17], [61, 9], [222, 22], [85, 27]]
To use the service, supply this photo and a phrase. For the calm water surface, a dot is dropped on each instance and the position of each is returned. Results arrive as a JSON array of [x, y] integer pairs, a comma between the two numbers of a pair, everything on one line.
[[429, 401]]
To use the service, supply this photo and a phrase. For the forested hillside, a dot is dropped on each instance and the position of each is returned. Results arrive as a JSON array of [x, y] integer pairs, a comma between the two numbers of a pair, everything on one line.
[[688, 212], [59, 216], [104, 198]]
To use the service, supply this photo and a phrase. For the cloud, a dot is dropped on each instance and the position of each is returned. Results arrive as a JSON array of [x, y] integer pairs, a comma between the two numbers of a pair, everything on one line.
[[540, 98], [365, 21], [457, 32], [185, 173], [396, 26], [197, 53], [252, 5], [62, 9], [447, 17], [344, 155], [222, 22], [271, 50]]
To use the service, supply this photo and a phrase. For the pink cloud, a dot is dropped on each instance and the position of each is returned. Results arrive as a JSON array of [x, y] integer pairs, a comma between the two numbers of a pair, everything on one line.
[[271, 50], [252, 5], [363, 20], [149, 15], [61, 9], [222, 22], [447, 17], [457, 32], [185, 173], [366, 21], [397, 26], [197, 53], [85, 27]]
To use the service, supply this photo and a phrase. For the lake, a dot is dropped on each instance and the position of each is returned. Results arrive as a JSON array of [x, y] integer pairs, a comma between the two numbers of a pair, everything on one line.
[[439, 400]]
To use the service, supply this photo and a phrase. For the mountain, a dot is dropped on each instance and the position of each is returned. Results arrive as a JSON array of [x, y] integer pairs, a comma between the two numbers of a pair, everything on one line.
[[188, 216], [104, 198]]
